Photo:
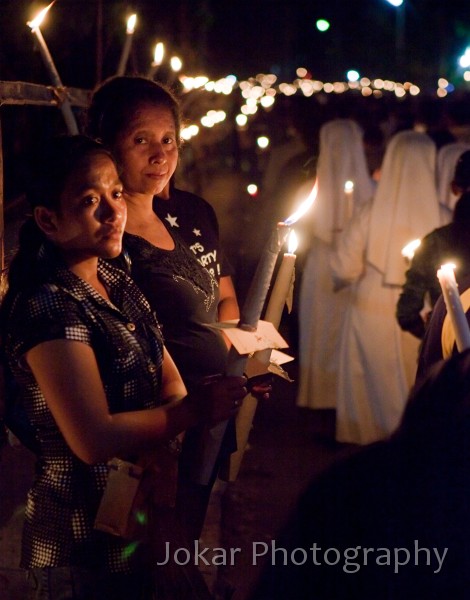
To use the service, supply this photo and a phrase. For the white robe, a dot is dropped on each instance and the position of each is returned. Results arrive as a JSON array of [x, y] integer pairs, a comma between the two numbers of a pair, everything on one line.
[[341, 159], [376, 360], [320, 310]]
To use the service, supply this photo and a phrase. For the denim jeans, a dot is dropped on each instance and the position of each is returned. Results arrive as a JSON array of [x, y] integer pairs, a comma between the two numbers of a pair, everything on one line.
[[77, 583]]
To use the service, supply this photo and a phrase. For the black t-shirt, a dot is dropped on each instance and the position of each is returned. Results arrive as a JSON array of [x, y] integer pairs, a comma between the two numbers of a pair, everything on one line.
[[185, 298], [194, 220]]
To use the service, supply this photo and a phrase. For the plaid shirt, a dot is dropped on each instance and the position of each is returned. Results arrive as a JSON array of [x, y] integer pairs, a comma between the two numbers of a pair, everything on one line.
[[126, 339]]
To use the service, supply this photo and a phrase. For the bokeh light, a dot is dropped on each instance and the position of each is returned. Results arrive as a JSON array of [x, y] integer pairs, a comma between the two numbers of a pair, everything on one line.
[[322, 25], [352, 75]]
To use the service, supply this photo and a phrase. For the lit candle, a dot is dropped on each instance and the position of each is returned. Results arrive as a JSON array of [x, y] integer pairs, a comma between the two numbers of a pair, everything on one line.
[[236, 362], [279, 295], [158, 55], [176, 66], [283, 284], [249, 317], [454, 306], [349, 200], [131, 21], [258, 291], [65, 105]]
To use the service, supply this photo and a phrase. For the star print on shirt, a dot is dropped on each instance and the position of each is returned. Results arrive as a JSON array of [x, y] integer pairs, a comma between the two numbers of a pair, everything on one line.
[[197, 232], [171, 220]]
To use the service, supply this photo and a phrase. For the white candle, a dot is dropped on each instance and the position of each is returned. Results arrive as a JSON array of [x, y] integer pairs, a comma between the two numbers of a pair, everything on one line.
[[158, 55], [131, 21], [348, 201], [280, 293], [249, 318], [454, 306], [283, 283], [244, 418], [261, 281], [65, 105]]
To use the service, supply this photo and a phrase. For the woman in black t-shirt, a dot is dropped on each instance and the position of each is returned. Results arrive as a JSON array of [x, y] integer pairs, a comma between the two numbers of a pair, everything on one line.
[[140, 121]]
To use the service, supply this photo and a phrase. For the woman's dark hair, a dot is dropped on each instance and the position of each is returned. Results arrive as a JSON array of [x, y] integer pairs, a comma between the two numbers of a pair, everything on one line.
[[118, 99], [51, 171]]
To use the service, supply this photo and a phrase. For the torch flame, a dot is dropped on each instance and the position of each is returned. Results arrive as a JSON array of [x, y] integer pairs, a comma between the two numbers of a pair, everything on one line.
[[304, 207], [292, 242], [36, 22], [131, 21], [158, 54], [409, 250]]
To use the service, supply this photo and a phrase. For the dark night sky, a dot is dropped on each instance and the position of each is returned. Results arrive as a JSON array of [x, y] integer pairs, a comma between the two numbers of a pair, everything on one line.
[[221, 37]]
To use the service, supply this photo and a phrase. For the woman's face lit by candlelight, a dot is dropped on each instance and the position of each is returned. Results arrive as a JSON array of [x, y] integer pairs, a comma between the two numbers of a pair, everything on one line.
[[91, 217], [147, 151]]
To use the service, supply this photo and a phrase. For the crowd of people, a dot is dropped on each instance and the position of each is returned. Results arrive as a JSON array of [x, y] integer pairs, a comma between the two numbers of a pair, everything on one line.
[[373, 333], [364, 306], [109, 345]]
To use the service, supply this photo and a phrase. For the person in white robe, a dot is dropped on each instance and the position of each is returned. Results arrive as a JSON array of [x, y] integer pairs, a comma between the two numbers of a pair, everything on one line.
[[341, 159], [447, 157], [377, 360]]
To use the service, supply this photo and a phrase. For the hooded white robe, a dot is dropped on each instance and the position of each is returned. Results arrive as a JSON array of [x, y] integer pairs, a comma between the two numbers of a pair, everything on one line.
[[341, 159], [377, 360]]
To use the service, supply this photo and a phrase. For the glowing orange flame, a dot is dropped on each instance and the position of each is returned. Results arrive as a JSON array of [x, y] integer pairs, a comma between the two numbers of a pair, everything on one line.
[[304, 207], [131, 21], [36, 22], [158, 54]]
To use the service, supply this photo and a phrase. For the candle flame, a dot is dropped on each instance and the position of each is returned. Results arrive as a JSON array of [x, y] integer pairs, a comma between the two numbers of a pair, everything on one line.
[[158, 54], [448, 267], [36, 22], [304, 207], [349, 186], [292, 242], [409, 250], [131, 21], [176, 63]]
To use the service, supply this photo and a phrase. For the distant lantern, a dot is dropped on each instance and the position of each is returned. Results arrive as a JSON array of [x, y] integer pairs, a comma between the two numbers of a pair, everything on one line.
[[322, 25]]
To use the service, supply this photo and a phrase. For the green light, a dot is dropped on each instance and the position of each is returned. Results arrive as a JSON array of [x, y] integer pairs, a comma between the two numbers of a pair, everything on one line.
[[323, 25], [141, 517], [129, 549]]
